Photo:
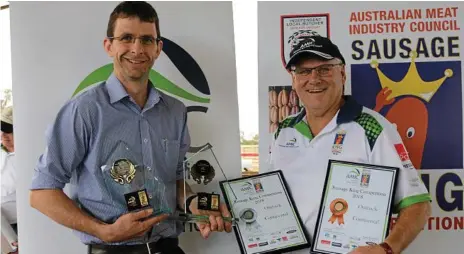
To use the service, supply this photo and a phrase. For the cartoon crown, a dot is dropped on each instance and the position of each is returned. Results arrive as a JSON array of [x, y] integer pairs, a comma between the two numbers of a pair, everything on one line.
[[412, 83]]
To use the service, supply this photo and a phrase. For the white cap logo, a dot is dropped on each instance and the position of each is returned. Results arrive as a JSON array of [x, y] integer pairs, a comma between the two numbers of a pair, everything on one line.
[[310, 43], [300, 36]]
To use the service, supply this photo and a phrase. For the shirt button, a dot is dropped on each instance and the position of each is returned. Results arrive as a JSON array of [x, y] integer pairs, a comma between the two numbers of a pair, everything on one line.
[[150, 196], [145, 140]]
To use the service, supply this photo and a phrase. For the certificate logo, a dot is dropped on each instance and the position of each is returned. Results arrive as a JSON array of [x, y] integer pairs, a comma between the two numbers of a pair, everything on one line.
[[247, 188], [263, 244], [336, 244], [253, 245], [258, 185], [252, 187], [291, 231], [353, 176], [365, 178]]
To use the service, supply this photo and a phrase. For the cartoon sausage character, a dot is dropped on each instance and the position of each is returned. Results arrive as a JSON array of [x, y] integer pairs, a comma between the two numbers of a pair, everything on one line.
[[410, 116]]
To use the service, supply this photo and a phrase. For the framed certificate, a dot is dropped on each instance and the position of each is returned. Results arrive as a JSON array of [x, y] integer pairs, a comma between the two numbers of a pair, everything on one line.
[[356, 206], [268, 219]]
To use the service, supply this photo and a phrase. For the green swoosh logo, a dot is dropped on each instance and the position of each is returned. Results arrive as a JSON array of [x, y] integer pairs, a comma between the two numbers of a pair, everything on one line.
[[158, 80]]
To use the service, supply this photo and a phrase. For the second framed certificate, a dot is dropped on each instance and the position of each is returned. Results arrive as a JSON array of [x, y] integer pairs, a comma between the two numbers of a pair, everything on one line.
[[268, 219], [356, 206]]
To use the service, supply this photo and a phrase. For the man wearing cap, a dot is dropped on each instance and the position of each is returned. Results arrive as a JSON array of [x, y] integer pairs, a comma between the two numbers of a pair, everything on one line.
[[8, 176], [318, 75]]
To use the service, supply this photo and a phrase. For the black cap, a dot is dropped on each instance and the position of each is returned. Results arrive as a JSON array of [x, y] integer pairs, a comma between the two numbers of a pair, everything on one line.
[[314, 46], [6, 127]]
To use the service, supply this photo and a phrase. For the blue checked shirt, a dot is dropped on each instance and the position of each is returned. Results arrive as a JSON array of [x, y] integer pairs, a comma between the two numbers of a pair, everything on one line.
[[102, 125]]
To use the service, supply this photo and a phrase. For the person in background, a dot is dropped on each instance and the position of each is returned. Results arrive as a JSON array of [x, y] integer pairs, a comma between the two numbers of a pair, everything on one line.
[[8, 177]]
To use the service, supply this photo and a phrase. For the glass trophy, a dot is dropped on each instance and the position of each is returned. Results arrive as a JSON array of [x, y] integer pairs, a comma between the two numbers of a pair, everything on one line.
[[200, 169], [134, 186]]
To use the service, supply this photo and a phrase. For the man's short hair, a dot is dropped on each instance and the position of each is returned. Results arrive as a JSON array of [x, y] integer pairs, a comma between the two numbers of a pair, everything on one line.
[[143, 10]]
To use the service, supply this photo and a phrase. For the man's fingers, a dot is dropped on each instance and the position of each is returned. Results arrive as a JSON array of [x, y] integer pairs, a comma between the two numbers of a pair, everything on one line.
[[220, 223], [141, 214], [213, 223], [205, 231], [224, 211], [154, 220], [142, 233], [201, 225], [228, 227]]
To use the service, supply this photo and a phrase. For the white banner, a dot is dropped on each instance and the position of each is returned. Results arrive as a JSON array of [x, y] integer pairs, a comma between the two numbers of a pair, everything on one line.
[[376, 40], [57, 49]]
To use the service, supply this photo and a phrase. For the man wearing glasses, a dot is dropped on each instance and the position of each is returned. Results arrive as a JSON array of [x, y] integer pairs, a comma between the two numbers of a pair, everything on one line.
[[334, 126], [121, 144]]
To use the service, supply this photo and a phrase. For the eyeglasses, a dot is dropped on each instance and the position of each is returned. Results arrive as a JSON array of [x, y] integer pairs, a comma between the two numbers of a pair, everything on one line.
[[128, 38], [324, 70]]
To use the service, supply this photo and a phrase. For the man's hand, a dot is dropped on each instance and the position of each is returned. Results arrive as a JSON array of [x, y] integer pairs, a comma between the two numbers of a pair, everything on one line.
[[129, 226], [216, 223], [17, 248], [372, 249]]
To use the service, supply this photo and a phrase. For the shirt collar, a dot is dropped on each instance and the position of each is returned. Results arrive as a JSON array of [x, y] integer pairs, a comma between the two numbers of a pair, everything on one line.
[[347, 113], [154, 96], [3, 148], [117, 92]]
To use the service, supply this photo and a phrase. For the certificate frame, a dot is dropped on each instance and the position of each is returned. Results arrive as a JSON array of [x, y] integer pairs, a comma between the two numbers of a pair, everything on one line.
[[244, 243], [317, 240]]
